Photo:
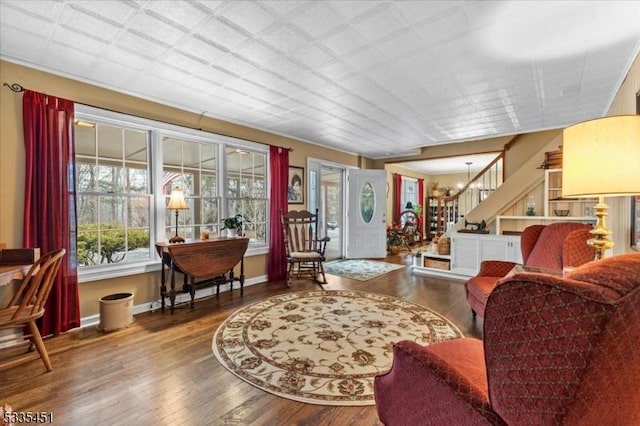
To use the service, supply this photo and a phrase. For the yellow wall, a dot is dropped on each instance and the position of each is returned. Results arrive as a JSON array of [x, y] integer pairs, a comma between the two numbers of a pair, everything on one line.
[[144, 286]]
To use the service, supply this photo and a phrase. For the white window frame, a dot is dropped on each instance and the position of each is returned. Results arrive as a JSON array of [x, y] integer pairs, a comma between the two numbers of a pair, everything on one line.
[[157, 130]]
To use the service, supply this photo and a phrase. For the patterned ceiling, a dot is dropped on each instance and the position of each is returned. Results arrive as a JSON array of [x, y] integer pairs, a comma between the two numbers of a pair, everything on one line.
[[375, 78]]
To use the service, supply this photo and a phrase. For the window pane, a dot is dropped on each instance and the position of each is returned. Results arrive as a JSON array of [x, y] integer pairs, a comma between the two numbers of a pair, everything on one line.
[[85, 140], [135, 145], [109, 141], [191, 166], [245, 178], [87, 209], [208, 185], [86, 176], [109, 178], [138, 212], [112, 211]]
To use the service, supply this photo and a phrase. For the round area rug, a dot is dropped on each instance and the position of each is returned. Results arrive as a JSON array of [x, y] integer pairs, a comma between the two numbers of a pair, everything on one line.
[[323, 347]]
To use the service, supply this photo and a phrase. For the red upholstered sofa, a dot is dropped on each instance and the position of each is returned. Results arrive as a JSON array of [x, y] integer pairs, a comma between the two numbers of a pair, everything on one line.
[[555, 351], [550, 247]]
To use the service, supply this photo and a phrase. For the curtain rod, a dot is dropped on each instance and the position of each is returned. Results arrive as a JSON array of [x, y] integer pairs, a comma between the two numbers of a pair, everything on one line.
[[15, 87]]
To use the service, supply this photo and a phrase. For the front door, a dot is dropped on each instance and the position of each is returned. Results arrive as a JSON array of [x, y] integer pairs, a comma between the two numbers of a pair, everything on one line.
[[366, 214]]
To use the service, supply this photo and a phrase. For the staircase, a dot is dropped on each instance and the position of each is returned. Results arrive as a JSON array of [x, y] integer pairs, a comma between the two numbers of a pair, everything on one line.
[[469, 206]]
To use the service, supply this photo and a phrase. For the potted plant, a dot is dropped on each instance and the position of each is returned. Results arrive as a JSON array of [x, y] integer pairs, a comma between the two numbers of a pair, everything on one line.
[[234, 225], [395, 239]]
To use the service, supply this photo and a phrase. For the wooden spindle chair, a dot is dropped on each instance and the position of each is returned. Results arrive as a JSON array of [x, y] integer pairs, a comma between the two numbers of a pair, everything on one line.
[[27, 304], [303, 248]]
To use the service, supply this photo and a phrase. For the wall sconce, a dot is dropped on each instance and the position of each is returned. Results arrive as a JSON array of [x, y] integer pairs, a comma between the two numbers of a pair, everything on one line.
[[601, 158], [177, 202]]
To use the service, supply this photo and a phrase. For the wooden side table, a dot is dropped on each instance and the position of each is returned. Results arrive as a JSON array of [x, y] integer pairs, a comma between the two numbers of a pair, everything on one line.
[[209, 261]]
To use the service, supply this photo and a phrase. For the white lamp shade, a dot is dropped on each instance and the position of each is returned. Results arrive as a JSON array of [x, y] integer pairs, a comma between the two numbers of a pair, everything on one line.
[[602, 157], [177, 200]]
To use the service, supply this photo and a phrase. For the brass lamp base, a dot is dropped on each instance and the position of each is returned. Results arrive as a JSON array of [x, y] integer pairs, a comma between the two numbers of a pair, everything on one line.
[[600, 241]]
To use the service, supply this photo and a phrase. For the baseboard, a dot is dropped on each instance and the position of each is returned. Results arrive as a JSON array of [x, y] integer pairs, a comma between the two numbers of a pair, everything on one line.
[[94, 320]]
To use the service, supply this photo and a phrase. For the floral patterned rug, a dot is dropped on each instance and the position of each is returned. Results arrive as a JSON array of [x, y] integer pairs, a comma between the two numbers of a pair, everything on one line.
[[323, 347], [360, 269]]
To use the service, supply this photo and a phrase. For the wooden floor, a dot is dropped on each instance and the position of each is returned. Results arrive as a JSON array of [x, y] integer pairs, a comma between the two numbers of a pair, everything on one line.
[[161, 369]]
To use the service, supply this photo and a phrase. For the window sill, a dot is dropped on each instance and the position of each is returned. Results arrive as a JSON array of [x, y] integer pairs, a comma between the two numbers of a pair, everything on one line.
[[108, 272]]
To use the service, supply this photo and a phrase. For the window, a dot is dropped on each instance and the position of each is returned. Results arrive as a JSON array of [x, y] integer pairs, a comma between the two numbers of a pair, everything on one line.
[[247, 190], [192, 166], [409, 191], [113, 194], [126, 169]]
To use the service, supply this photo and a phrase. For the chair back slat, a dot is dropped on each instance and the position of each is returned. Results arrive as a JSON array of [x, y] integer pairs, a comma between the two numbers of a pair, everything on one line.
[[300, 229], [32, 294]]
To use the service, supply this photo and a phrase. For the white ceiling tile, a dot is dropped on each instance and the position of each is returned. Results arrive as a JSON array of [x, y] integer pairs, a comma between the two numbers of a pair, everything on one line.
[[139, 42], [249, 16], [111, 10], [185, 14], [104, 71], [311, 56], [126, 57], [345, 41], [283, 8], [219, 32], [258, 52], [157, 27], [13, 40], [284, 38], [32, 23], [85, 21], [378, 25], [354, 8], [317, 20], [199, 47], [235, 64]]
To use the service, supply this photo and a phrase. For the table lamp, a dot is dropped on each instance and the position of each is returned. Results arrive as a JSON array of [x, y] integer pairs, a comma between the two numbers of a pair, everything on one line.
[[177, 202], [601, 158]]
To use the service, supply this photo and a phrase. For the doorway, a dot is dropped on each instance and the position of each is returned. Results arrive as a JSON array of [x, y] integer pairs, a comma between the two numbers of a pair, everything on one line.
[[326, 193]]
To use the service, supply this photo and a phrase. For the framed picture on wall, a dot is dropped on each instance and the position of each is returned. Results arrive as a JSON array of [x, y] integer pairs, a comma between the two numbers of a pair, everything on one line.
[[296, 185]]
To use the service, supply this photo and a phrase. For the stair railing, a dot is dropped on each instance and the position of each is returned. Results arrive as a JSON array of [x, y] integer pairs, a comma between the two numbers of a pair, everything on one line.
[[455, 207]]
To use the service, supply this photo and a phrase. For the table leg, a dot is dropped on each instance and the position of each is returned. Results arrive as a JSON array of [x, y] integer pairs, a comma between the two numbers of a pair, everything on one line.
[[242, 276], [172, 292], [163, 283], [192, 292]]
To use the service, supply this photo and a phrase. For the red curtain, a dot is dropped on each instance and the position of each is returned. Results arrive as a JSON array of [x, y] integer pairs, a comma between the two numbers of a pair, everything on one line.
[[49, 201], [279, 173], [397, 197]]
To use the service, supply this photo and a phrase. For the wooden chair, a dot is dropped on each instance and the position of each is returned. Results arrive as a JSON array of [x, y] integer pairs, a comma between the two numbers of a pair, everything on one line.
[[27, 305], [303, 248]]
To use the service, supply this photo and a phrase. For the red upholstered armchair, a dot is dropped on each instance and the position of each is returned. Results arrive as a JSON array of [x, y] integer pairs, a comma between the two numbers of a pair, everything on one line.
[[555, 351], [549, 247]]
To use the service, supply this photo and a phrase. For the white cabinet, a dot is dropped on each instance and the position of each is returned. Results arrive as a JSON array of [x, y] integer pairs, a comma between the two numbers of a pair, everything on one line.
[[464, 254], [496, 247], [469, 250]]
